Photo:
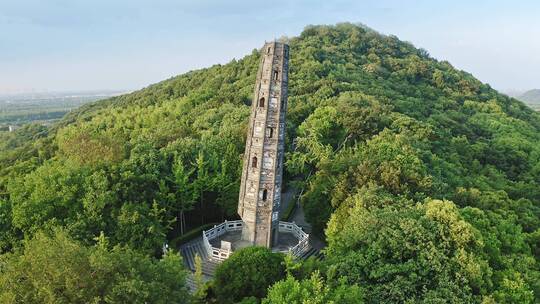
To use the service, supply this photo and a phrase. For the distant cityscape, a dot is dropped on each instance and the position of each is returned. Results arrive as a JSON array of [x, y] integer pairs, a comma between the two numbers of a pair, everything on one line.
[[44, 108]]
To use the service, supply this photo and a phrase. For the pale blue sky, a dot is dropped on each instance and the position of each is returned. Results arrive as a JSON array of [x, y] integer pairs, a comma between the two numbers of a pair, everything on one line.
[[56, 45]]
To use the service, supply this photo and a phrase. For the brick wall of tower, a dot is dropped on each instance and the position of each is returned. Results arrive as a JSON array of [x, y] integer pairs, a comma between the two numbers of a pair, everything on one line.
[[260, 190]]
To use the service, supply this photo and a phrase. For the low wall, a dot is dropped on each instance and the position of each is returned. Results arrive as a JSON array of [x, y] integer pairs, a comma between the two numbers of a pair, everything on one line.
[[218, 230], [303, 238], [222, 254]]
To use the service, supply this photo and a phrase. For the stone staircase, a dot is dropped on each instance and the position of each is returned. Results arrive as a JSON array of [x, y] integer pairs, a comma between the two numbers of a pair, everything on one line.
[[190, 283], [313, 251], [190, 250], [196, 247], [309, 253]]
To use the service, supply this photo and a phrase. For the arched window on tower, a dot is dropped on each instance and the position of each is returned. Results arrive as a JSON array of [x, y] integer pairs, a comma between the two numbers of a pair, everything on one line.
[[276, 74], [265, 195], [254, 162], [261, 102], [269, 132], [282, 103], [268, 51]]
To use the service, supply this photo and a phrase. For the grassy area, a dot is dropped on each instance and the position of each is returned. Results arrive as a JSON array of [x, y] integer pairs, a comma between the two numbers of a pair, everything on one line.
[[190, 235], [285, 216]]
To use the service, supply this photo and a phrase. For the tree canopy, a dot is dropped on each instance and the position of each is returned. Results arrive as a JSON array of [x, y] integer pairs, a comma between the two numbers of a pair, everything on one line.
[[423, 180], [247, 273], [57, 269]]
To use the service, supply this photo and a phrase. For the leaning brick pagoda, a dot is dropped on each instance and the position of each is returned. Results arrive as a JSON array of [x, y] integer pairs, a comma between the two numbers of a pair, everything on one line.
[[260, 190]]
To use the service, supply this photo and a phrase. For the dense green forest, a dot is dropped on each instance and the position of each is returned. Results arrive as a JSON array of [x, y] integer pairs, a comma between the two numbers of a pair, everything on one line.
[[423, 181]]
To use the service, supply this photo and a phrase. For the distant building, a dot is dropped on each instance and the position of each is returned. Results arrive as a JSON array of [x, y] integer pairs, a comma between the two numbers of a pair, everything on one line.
[[12, 128]]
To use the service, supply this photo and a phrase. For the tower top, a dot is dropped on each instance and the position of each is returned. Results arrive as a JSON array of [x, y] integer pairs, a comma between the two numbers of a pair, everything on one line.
[[279, 50]]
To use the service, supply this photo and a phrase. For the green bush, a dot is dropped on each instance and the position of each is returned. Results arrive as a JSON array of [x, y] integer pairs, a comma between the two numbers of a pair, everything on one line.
[[248, 273]]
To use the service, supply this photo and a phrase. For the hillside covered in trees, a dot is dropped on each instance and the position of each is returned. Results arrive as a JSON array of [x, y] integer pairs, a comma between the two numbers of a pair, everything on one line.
[[423, 181]]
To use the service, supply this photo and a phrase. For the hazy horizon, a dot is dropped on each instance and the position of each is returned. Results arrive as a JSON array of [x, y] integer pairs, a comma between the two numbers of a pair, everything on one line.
[[47, 93], [58, 46]]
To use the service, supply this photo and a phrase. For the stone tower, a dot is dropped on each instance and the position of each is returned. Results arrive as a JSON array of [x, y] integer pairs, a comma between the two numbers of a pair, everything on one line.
[[260, 189]]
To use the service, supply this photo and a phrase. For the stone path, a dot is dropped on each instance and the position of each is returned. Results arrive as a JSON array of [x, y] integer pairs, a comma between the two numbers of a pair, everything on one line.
[[287, 198], [299, 218], [317, 245], [189, 251]]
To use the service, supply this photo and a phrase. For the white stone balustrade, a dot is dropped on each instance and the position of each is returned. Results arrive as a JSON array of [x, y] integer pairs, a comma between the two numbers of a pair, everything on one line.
[[220, 254]]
